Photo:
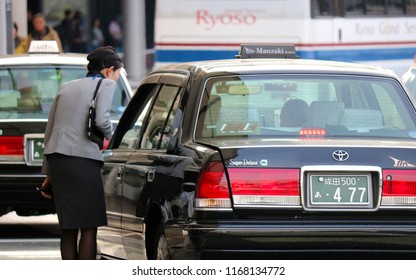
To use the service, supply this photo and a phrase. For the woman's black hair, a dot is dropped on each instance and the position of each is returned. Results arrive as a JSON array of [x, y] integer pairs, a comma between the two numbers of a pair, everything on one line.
[[103, 57]]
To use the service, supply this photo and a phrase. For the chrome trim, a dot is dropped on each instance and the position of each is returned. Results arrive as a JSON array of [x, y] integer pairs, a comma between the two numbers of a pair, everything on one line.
[[340, 155], [339, 168], [22, 176], [264, 206], [309, 145], [398, 201], [213, 209], [12, 160], [397, 207]]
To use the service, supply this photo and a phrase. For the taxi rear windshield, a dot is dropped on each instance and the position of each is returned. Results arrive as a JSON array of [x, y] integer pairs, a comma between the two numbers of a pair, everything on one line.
[[305, 105], [28, 92]]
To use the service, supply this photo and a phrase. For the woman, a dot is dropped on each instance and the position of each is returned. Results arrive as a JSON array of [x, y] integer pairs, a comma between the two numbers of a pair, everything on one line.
[[72, 161]]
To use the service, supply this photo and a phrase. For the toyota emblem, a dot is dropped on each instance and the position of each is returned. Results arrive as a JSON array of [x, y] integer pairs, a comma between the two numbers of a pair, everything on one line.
[[340, 155]]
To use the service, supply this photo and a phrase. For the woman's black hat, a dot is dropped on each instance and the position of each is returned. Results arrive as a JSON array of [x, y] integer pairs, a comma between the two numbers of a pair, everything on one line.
[[103, 57]]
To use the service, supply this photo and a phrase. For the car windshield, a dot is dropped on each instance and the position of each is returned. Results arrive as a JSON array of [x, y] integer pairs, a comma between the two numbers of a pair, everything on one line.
[[28, 92], [305, 106]]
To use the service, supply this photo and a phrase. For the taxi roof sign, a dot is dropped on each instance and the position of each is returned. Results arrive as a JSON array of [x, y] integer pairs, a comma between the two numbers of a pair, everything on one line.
[[43, 47], [267, 51]]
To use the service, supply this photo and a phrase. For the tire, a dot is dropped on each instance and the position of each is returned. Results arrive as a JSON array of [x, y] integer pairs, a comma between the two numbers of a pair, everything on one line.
[[160, 249]]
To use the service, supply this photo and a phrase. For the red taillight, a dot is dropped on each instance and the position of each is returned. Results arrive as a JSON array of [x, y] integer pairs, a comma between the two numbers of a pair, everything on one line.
[[249, 187], [212, 182], [265, 187], [399, 182], [11, 145], [399, 188], [212, 189], [264, 182]]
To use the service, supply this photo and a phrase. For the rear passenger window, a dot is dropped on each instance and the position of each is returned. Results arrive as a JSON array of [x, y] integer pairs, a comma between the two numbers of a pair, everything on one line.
[[394, 113]]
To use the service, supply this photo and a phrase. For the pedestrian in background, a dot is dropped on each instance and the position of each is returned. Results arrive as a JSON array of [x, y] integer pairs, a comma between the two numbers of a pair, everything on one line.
[[409, 78], [115, 30], [64, 30], [72, 161], [97, 36], [78, 34], [41, 32]]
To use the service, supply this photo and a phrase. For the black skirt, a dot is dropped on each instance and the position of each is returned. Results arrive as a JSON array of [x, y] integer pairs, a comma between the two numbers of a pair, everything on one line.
[[78, 191]]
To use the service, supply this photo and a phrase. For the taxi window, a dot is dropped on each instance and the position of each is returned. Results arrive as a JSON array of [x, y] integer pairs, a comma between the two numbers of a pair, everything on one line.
[[160, 118], [31, 91], [131, 138], [120, 101], [130, 129], [292, 105], [28, 92]]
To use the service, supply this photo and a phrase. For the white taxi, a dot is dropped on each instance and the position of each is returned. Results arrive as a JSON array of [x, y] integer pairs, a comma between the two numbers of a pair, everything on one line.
[[28, 85]]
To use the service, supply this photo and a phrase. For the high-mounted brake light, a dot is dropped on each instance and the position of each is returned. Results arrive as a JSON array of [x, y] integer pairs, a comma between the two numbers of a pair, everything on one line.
[[312, 132], [399, 188], [11, 145], [265, 186], [212, 191]]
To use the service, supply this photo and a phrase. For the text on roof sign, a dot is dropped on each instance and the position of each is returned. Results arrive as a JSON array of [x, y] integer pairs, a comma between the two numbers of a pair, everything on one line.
[[267, 51], [43, 47]]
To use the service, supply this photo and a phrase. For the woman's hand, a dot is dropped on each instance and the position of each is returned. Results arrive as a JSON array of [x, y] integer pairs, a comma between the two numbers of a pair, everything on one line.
[[46, 188]]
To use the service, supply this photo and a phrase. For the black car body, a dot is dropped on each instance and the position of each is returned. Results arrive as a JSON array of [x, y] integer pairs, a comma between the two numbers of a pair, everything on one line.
[[223, 159], [28, 85]]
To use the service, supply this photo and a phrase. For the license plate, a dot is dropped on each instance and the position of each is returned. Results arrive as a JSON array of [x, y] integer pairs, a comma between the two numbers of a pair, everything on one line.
[[340, 189], [34, 149]]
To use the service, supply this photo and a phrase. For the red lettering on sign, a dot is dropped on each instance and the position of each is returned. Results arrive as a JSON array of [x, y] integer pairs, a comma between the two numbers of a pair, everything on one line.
[[209, 21]]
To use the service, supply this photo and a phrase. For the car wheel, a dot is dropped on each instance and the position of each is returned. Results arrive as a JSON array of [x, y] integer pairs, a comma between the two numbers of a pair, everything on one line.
[[161, 248]]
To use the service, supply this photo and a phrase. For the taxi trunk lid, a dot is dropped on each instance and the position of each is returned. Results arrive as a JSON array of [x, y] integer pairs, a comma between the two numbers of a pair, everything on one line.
[[279, 173]]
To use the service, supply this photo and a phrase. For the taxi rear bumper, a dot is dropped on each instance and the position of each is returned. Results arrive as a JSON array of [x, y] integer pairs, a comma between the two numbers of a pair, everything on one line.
[[311, 240], [18, 192]]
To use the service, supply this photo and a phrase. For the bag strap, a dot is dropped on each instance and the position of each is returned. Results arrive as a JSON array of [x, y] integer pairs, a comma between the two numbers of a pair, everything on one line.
[[95, 92]]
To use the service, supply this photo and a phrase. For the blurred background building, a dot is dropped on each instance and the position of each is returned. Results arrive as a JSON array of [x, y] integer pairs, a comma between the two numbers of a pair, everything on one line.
[[150, 33], [133, 18]]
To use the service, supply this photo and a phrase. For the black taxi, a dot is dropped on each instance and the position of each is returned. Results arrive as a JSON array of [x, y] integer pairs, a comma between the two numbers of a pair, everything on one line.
[[28, 85], [266, 156]]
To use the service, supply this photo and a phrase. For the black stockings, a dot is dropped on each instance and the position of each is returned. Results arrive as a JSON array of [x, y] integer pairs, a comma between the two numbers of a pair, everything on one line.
[[85, 250]]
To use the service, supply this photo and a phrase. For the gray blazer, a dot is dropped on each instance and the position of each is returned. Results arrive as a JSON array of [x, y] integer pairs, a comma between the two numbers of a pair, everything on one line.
[[66, 131]]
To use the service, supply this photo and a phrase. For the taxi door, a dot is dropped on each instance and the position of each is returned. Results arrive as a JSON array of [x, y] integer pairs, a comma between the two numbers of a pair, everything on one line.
[[141, 167], [120, 149]]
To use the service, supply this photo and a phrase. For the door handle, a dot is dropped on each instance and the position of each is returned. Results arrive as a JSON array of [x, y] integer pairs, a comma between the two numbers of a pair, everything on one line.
[[119, 173], [151, 175]]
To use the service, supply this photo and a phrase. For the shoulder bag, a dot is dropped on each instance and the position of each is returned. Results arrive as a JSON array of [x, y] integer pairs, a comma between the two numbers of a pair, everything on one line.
[[94, 134]]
